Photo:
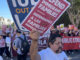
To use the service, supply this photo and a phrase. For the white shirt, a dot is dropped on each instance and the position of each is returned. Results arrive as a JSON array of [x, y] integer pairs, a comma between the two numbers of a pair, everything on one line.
[[8, 40], [48, 54], [1, 58]]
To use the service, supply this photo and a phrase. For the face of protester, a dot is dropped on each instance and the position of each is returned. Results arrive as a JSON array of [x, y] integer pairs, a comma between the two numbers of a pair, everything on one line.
[[53, 31], [57, 45], [18, 34], [9, 35]]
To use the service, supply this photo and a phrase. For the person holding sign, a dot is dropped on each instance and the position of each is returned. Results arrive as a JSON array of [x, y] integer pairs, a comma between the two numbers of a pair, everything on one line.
[[52, 52]]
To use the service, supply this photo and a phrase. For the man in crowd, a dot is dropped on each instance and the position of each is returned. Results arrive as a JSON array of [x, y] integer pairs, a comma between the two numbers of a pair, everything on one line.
[[52, 52], [17, 46]]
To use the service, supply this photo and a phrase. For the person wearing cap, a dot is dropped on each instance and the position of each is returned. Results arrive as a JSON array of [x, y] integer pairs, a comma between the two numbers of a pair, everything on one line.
[[52, 52], [17, 46]]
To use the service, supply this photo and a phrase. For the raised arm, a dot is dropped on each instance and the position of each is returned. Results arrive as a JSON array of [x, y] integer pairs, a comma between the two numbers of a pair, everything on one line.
[[34, 45]]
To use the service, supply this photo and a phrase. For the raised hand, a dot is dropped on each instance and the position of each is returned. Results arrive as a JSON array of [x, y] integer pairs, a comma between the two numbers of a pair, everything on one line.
[[34, 35]]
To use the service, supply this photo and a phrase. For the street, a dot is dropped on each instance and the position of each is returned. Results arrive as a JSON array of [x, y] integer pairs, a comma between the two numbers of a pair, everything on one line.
[[74, 56], [13, 58]]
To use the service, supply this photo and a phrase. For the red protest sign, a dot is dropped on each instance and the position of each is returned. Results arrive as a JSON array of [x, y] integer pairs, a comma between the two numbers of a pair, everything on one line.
[[71, 43], [45, 14]]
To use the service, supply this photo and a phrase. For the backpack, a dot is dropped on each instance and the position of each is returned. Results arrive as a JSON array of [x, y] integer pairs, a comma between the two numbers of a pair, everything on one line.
[[24, 45]]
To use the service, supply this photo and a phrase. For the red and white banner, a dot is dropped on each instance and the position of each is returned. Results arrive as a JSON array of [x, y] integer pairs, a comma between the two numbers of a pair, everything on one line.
[[45, 14], [71, 43]]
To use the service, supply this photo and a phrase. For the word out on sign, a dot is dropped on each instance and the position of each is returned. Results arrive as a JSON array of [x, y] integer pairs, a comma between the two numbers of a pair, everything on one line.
[[20, 9]]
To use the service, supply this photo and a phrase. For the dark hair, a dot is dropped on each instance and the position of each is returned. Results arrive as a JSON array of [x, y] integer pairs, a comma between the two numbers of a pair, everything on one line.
[[52, 38], [7, 35], [18, 31]]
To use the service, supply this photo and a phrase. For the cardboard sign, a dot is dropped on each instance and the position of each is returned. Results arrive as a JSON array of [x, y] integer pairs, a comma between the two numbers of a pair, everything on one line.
[[20, 9], [61, 25], [45, 14], [75, 29], [58, 27], [71, 27]]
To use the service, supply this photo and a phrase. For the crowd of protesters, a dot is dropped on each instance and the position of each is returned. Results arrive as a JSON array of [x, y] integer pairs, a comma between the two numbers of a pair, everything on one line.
[[7, 38], [67, 31], [5, 44], [70, 31]]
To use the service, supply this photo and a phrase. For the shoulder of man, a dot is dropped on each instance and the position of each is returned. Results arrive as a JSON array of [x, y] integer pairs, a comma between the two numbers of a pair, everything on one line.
[[17, 38], [64, 55], [42, 52], [16, 41]]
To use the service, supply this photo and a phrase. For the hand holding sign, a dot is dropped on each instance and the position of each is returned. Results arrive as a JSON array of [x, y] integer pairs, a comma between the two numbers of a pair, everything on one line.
[[34, 35]]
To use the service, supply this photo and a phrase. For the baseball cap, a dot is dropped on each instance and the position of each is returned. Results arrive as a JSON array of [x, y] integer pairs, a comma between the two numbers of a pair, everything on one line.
[[18, 31]]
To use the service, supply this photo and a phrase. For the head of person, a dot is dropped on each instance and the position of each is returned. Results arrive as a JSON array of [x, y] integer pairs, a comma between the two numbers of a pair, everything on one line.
[[53, 31], [18, 32], [8, 34], [55, 43]]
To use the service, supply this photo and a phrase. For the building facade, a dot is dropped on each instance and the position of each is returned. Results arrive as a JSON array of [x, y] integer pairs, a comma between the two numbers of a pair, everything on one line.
[[4, 21]]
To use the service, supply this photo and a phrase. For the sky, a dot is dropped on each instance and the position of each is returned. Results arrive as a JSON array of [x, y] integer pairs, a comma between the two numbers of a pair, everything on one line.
[[4, 10]]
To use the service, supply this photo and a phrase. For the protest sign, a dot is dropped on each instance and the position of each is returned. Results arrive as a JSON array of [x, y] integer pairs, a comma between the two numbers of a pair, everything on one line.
[[20, 9], [45, 14], [71, 43], [61, 25], [58, 27], [71, 27]]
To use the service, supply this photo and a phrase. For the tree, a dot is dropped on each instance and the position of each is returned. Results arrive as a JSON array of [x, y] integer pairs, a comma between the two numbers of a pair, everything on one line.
[[74, 12], [64, 19]]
